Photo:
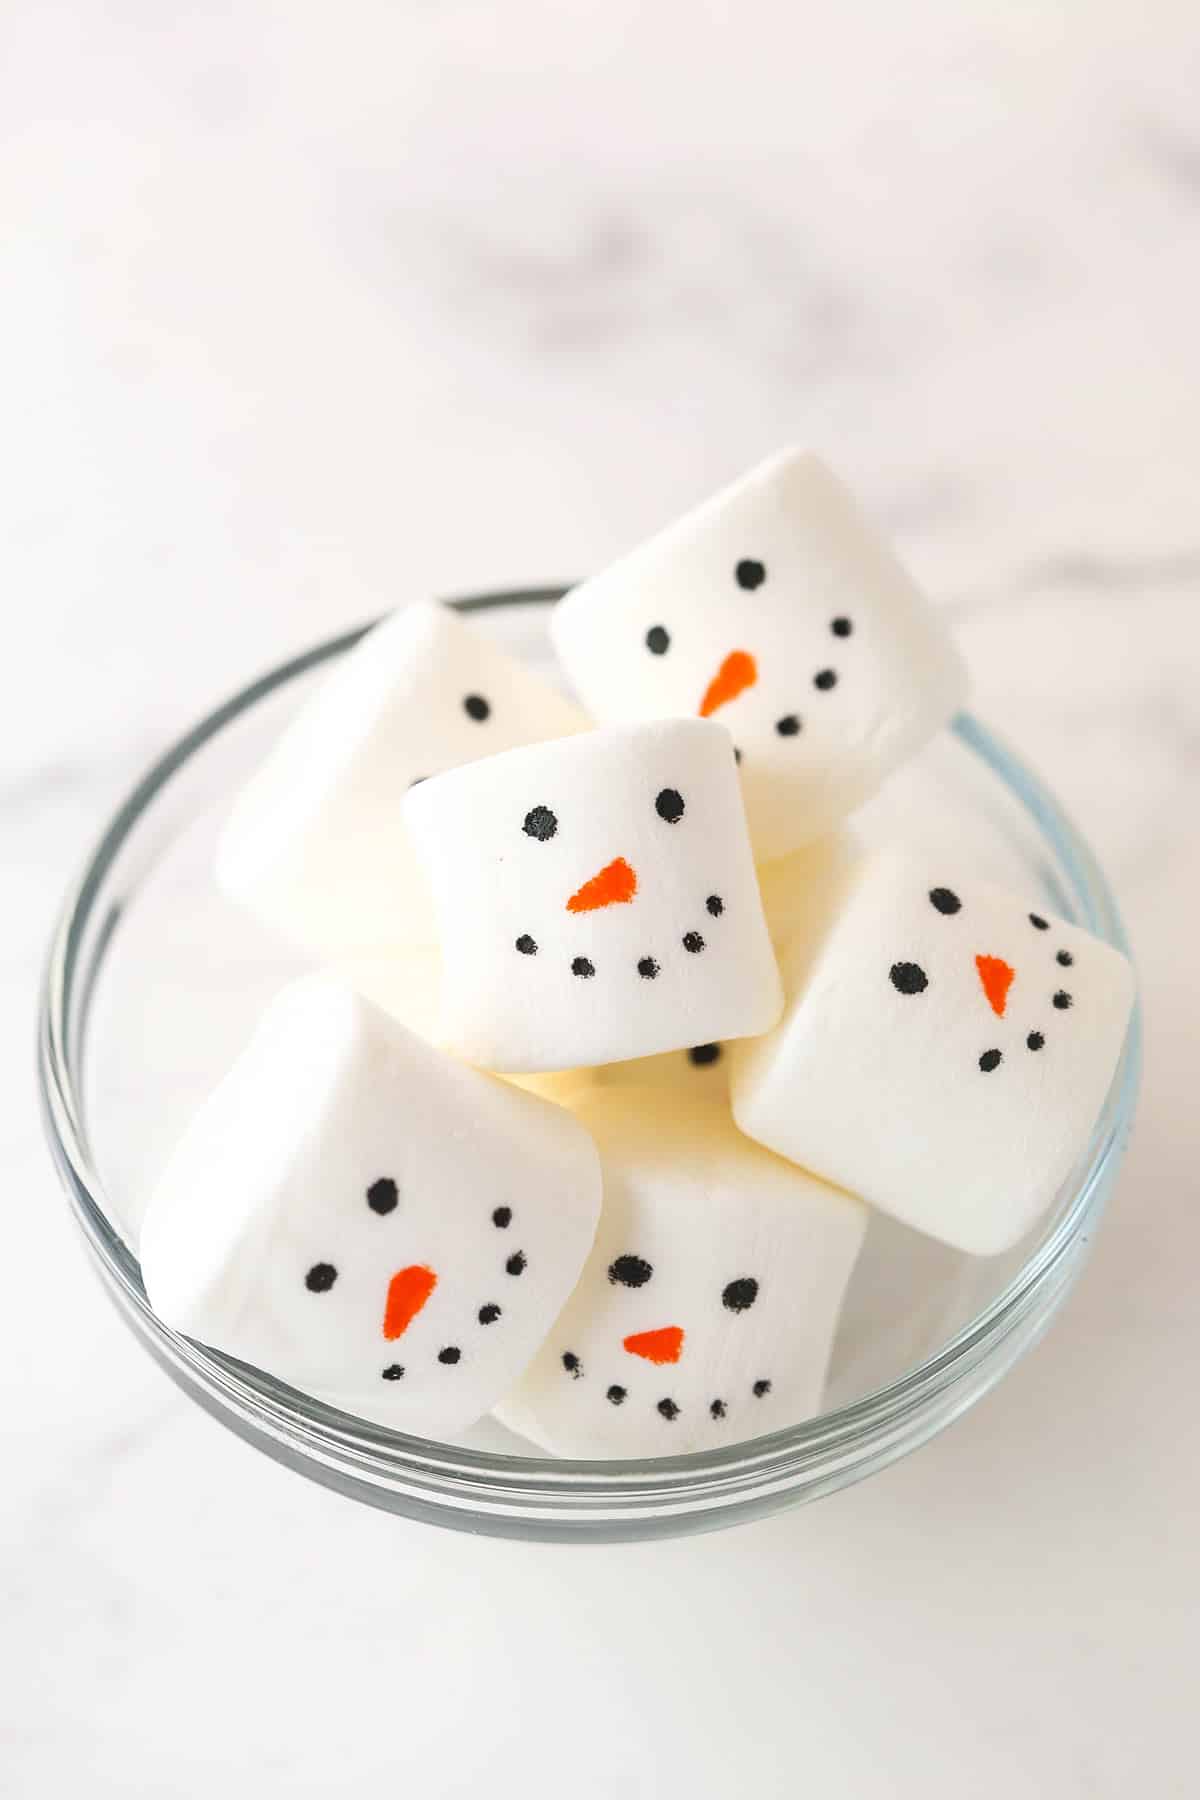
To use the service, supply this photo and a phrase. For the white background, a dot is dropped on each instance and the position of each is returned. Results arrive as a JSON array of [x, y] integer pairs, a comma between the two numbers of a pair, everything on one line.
[[308, 308]]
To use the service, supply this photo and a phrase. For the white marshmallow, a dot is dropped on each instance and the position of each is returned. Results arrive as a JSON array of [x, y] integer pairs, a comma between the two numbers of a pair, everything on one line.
[[315, 845], [369, 1221], [776, 609], [945, 1051], [707, 1309], [596, 899]]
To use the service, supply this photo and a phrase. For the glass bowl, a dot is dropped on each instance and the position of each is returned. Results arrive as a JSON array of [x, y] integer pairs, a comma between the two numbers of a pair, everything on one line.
[[152, 984]]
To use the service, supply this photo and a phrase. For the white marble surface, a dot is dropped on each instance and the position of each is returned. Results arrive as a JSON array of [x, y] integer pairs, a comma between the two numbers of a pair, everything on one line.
[[307, 308]]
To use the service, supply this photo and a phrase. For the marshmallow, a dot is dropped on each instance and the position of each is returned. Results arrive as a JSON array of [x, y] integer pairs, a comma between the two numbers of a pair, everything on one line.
[[707, 1308], [775, 609], [315, 845], [596, 899], [945, 1051], [369, 1221]]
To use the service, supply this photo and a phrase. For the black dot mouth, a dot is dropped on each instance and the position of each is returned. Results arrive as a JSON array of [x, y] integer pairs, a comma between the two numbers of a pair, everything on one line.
[[825, 679], [790, 725]]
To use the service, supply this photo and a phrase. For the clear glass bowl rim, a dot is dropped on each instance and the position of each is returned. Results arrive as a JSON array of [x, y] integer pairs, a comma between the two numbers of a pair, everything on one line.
[[540, 1497]]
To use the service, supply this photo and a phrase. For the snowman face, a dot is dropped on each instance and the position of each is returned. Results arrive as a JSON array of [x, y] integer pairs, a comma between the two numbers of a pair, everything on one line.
[[775, 611], [1021, 1004], [368, 1220], [975, 1033], [705, 1313], [647, 1361], [382, 1284], [622, 914]]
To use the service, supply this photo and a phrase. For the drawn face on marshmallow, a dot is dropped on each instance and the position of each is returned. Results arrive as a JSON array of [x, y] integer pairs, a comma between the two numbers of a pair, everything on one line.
[[327, 1217], [774, 609], [976, 1034], [706, 1310], [596, 899], [1022, 1001]]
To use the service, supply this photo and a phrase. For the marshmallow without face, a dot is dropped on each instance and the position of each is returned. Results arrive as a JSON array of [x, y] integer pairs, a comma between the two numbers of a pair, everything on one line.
[[945, 1052], [707, 1309], [775, 609], [369, 1221], [596, 899], [315, 845]]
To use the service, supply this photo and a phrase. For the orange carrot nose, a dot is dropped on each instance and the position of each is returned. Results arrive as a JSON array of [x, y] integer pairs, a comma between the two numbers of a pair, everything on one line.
[[738, 672], [997, 977], [408, 1290], [662, 1346], [615, 885]]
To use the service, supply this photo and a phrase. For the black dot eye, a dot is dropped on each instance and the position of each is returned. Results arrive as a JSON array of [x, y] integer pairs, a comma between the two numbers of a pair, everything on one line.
[[991, 1059], [658, 640], [701, 1055], [1034, 1041], [394, 1372], [647, 968], [583, 967], [668, 1409], [516, 1263], [749, 573], [668, 804], [841, 627], [320, 1278], [1062, 1000], [715, 905], [945, 900], [740, 1295], [502, 1218], [788, 726], [1038, 923], [717, 1410], [489, 1314], [526, 945], [630, 1271], [616, 1394], [572, 1364], [693, 943], [450, 1355], [383, 1196], [908, 978], [825, 679], [760, 1388], [477, 708], [540, 823], [1064, 958]]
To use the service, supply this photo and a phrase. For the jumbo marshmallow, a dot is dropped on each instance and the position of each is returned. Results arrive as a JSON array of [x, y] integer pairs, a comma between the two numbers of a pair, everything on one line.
[[775, 609], [596, 899], [315, 845], [369, 1221], [707, 1309], [945, 1051]]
